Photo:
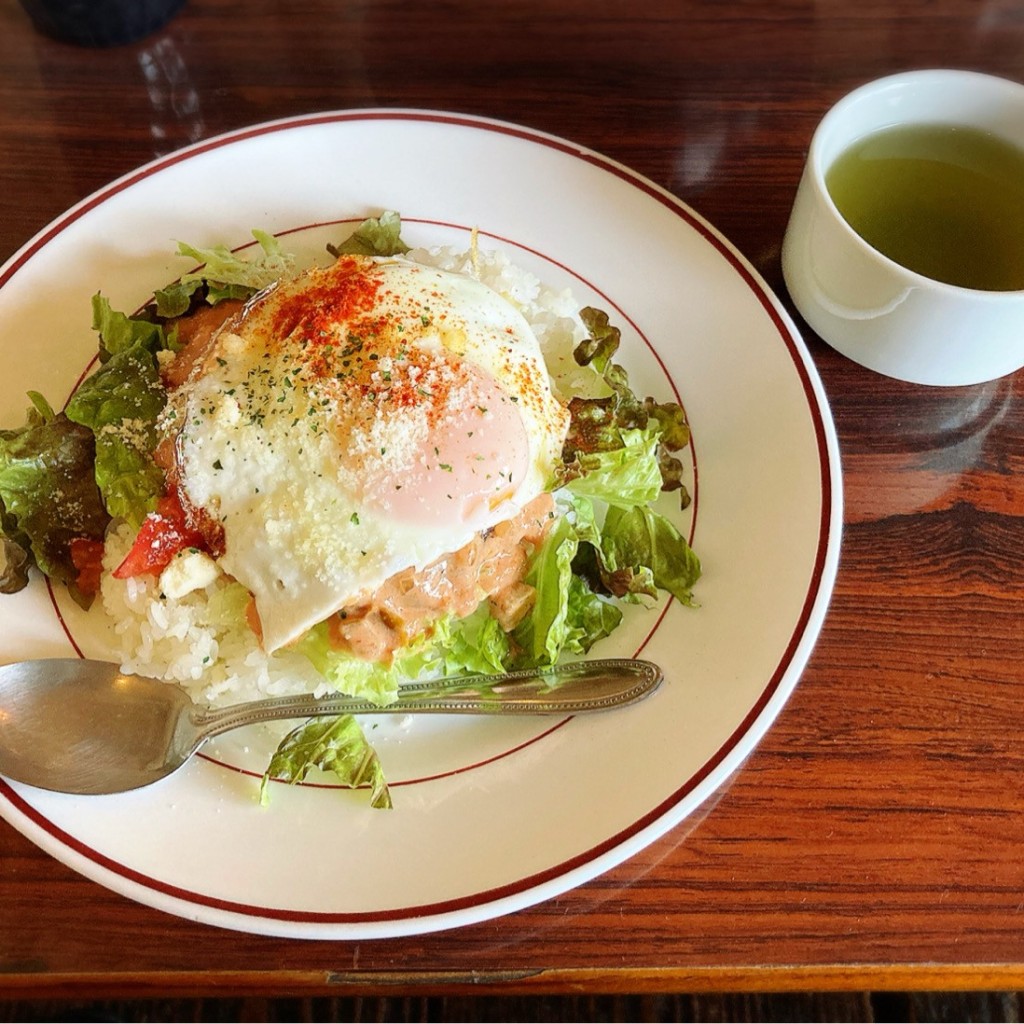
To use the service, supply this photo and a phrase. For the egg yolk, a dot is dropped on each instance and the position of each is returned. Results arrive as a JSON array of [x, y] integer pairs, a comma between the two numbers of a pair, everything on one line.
[[471, 458]]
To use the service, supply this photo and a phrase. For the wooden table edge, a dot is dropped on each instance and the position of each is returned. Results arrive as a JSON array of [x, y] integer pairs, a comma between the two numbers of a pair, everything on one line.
[[854, 977]]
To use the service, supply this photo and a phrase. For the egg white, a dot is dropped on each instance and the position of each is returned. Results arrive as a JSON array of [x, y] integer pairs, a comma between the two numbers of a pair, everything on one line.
[[336, 422]]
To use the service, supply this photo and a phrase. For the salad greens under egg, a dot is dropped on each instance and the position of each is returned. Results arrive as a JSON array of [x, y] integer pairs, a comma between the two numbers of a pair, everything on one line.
[[68, 477]]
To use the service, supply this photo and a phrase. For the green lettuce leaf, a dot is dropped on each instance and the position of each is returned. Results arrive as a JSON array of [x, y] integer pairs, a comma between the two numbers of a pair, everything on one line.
[[591, 617], [543, 633], [335, 745], [625, 476], [14, 566], [474, 645], [568, 617], [643, 543], [635, 552], [602, 424], [224, 274], [15, 557], [119, 332], [376, 236], [48, 494], [120, 404]]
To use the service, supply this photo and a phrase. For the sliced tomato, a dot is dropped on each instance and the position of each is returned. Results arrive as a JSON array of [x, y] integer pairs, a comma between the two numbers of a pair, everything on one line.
[[162, 535], [87, 557]]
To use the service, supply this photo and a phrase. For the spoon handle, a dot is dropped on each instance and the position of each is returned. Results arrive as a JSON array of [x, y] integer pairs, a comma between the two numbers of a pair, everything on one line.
[[564, 689]]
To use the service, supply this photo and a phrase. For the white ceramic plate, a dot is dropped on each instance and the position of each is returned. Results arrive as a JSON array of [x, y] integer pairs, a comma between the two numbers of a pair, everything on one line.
[[490, 816]]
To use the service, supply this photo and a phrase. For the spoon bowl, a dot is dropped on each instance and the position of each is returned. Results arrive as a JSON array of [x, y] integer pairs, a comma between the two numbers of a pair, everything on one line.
[[78, 726]]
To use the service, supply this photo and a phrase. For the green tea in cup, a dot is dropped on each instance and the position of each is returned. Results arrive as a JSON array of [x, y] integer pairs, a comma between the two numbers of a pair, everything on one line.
[[946, 201], [905, 246]]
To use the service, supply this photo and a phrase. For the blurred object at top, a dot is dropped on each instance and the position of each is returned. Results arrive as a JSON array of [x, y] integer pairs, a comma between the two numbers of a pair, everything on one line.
[[100, 22]]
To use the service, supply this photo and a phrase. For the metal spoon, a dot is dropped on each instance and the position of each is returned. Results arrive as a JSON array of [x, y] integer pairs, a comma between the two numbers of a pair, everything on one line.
[[77, 726]]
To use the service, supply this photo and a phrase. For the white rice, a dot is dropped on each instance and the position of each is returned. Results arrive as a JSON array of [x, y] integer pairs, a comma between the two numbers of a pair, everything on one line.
[[201, 639]]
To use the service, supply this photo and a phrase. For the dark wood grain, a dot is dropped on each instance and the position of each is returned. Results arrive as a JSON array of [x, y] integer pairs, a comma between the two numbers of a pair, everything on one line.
[[873, 840]]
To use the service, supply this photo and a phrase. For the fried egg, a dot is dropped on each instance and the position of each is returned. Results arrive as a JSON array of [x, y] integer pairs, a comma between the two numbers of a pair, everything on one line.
[[359, 420]]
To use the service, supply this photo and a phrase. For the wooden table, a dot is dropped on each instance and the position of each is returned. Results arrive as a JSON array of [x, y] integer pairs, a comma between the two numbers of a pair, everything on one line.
[[873, 840]]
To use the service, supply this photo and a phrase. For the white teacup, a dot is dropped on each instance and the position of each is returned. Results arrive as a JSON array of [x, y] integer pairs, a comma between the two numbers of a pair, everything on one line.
[[867, 306]]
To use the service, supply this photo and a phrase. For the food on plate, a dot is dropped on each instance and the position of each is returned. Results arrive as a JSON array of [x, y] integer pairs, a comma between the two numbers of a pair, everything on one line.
[[354, 422], [346, 475]]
